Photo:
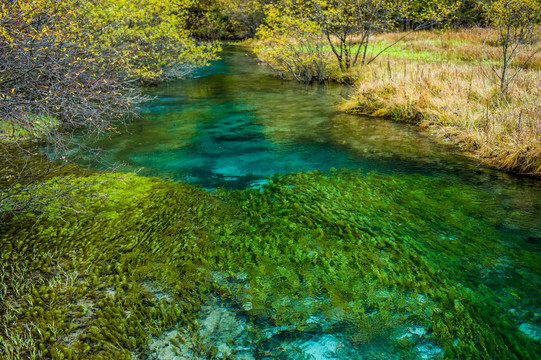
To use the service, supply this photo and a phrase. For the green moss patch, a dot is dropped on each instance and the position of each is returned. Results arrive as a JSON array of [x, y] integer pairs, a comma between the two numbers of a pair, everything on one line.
[[31, 127]]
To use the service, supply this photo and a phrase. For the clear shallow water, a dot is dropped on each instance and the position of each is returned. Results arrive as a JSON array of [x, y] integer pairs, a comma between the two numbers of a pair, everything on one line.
[[437, 252], [233, 124]]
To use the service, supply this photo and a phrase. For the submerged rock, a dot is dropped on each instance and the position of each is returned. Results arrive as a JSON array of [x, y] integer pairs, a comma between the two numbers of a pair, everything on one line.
[[325, 348], [221, 334], [429, 351], [164, 348], [531, 331], [413, 332], [314, 347], [158, 294], [221, 328]]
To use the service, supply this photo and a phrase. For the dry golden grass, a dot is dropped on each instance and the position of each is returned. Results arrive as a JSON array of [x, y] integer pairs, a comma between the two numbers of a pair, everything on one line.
[[461, 102], [453, 93]]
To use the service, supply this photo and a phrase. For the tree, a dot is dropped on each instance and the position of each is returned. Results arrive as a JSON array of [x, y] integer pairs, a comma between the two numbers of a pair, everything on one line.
[[227, 19], [517, 24], [143, 39], [244, 16], [470, 13], [71, 66], [49, 84], [292, 43], [348, 25]]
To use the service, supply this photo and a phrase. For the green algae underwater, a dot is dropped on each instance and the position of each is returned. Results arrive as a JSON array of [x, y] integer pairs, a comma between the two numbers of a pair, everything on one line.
[[369, 255]]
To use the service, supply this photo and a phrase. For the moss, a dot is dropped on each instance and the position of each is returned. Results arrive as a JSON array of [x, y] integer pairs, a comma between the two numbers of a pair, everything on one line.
[[32, 127], [131, 227]]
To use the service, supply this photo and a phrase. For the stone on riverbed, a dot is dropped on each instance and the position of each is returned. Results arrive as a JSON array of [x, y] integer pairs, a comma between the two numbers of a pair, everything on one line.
[[531, 331]]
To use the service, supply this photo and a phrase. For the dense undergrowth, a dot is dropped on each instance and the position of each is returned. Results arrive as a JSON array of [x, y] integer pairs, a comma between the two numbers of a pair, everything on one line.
[[380, 253]]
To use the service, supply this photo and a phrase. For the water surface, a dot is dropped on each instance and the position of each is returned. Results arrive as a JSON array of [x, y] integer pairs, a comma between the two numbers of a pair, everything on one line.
[[416, 250], [233, 124]]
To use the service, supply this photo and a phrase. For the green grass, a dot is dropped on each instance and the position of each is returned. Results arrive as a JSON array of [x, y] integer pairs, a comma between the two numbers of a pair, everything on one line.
[[402, 52]]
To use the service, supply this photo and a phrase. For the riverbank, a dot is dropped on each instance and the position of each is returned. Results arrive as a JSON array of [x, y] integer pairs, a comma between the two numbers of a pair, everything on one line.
[[443, 83]]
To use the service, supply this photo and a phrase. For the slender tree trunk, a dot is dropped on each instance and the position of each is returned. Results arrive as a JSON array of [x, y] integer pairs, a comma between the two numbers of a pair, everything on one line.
[[365, 44], [505, 50], [335, 52], [347, 56]]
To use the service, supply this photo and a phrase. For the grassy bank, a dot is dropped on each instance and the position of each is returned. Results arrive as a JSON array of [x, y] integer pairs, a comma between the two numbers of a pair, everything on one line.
[[458, 102], [443, 82], [457, 98]]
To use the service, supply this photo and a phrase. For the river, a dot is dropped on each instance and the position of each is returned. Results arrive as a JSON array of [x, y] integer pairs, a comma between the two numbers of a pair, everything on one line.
[[233, 125]]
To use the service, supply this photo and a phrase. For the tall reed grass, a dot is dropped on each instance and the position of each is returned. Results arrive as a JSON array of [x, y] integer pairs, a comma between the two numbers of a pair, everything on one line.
[[458, 100]]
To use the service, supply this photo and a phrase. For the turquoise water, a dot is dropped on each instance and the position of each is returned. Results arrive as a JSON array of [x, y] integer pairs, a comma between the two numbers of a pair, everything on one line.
[[233, 124], [448, 249]]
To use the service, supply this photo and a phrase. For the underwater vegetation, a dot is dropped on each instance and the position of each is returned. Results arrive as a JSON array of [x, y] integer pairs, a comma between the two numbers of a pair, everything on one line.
[[73, 287], [364, 258]]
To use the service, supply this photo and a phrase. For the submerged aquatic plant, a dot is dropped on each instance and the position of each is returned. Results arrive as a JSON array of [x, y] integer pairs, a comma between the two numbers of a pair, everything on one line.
[[380, 253], [363, 256]]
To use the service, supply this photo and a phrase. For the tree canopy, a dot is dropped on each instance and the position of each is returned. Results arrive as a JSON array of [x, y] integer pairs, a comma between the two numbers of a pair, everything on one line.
[[517, 23], [345, 26], [76, 64], [70, 66]]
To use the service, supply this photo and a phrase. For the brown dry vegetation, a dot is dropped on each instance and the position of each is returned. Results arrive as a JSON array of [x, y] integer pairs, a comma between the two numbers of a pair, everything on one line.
[[458, 100]]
